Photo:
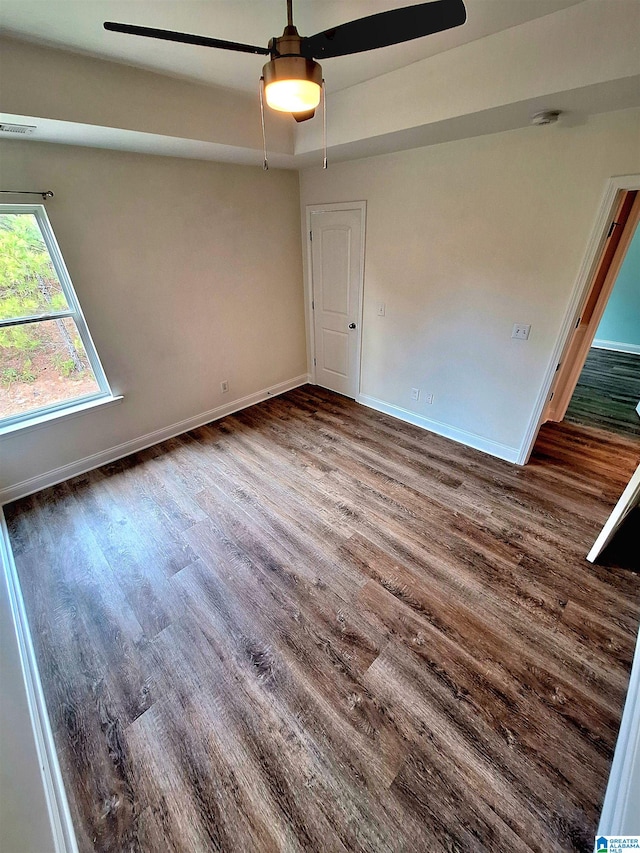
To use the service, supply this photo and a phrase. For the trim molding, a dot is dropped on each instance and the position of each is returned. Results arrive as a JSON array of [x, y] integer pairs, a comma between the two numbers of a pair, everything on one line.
[[63, 834], [620, 810], [81, 466], [616, 346], [470, 439]]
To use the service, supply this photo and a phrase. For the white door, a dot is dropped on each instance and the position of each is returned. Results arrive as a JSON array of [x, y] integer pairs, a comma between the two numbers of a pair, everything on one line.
[[629, 500], [337, 276]]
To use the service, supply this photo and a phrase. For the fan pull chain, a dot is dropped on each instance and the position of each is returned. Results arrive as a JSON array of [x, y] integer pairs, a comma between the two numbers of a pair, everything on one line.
[[265, 161], [324, 126]]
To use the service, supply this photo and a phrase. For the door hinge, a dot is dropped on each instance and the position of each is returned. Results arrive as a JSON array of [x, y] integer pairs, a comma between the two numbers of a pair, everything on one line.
[[578, 322], [314, 362], [551, 397], [313, 305], [611, 227], [558, 366], [311, 236]]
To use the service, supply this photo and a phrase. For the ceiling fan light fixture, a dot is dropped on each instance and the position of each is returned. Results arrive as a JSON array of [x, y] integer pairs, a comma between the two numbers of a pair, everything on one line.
[[292, 84]]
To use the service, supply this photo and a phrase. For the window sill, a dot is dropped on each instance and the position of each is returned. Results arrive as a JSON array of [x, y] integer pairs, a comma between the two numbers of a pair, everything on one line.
[[70, 412]]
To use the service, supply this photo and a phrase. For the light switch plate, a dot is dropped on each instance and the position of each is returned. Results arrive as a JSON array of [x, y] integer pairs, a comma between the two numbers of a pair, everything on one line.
[[521, 331], [381, 309]]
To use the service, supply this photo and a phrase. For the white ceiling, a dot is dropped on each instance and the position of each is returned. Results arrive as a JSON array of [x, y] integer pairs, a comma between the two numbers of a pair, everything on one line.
[[77, 25]]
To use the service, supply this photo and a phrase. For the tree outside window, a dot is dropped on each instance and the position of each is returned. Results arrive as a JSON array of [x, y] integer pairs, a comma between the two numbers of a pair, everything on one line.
[[47, 359]]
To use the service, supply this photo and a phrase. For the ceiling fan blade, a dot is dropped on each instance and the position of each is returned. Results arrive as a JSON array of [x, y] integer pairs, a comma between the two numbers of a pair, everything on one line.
[[184, 38], [386, 28]]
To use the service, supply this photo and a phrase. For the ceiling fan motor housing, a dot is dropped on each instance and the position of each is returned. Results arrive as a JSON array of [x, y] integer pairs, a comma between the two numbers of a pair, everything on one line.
[[292, 68]]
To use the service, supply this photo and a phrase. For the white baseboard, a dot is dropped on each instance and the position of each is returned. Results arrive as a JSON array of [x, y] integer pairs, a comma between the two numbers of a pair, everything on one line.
[[620, 814], [470, 439], [616, 346], [63, 835], [81, 466]]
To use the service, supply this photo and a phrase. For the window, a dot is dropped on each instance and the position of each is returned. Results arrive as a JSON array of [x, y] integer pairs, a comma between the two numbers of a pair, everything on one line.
[[47, 360]]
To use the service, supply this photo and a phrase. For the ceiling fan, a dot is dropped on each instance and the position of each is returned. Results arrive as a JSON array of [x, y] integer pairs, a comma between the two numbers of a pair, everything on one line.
[[292, 79]]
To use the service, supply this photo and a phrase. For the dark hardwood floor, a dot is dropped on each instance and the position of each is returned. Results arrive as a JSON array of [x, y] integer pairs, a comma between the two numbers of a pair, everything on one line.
[[310, 627], [608, 392]]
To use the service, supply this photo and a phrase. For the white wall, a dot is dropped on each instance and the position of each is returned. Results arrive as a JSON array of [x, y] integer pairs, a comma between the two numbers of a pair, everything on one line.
[[188, 273], [463, 240]]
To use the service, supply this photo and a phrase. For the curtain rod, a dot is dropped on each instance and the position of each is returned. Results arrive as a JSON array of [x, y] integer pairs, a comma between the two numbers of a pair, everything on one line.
[[44, 193]]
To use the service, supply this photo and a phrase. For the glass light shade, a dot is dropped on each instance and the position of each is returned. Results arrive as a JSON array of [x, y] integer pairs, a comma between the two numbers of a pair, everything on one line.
[[292, 96], [292, 84]]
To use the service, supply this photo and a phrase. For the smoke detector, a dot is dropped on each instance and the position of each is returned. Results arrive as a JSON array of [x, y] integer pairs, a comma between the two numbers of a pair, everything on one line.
[[21, 129], [546, 117]]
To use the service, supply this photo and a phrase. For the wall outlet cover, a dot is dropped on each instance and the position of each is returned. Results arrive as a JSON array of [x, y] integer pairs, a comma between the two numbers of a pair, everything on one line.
[[381, 308]]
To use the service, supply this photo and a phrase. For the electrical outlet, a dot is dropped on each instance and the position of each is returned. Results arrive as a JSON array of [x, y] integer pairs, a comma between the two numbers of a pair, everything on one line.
[[415, 394], [521, 331], [224, 386], [381, 309], [428, 398]]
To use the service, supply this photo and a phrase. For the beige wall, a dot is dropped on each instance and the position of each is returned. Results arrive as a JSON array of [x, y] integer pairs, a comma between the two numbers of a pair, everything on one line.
[[188, 273], [463, 240], [56, 84], [582, 59]]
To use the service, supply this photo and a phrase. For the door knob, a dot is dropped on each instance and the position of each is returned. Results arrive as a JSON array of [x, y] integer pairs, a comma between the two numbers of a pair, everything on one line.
[[352, 325]]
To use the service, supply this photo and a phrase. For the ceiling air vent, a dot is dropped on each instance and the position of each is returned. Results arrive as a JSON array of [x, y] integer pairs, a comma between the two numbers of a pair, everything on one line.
[[22, 129]]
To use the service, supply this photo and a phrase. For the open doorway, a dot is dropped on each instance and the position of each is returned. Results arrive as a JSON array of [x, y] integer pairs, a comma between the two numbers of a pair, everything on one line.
[[597, 383], [604, 255], [607, 394], [598, 377]]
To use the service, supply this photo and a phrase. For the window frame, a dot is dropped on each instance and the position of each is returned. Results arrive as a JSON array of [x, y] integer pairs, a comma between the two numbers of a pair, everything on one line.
[[74, 311]]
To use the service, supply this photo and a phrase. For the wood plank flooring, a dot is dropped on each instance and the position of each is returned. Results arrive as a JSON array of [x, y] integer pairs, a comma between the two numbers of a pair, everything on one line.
[[310, 627], [608, 392]]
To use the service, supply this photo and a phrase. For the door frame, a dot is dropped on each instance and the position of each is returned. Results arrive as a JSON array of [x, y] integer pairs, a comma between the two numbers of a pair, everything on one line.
[[580, 293], [627, 215], [331, 207]]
